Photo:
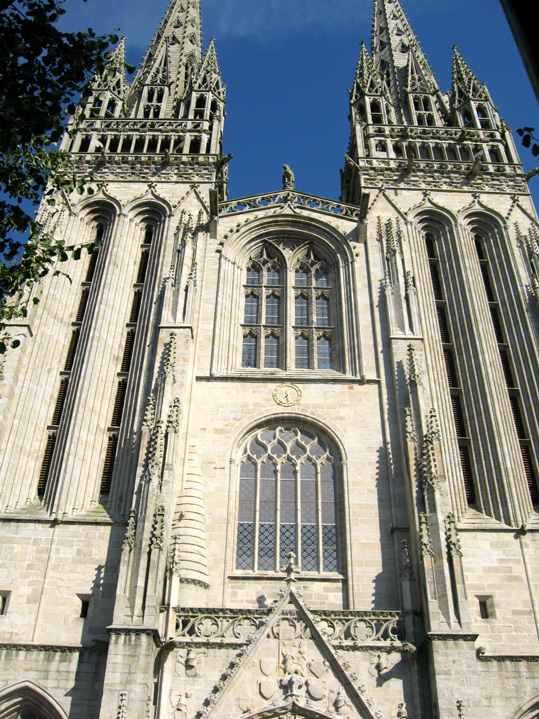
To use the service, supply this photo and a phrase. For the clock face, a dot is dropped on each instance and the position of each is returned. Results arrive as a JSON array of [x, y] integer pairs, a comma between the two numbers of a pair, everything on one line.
[[287, 395]]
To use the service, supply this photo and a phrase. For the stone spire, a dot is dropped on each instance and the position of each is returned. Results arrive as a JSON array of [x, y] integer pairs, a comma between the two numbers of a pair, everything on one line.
[[397, 53], [175, 51], [465, 86]]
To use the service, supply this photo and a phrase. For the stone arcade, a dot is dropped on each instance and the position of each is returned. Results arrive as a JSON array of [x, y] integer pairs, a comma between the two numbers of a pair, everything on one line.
[[278, 456]]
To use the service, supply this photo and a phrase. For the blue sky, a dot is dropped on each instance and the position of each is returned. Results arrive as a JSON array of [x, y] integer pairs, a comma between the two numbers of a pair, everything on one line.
[[288, 64]]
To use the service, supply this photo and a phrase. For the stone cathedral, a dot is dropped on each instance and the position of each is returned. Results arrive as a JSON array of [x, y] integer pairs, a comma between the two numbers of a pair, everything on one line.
[[278, 456]]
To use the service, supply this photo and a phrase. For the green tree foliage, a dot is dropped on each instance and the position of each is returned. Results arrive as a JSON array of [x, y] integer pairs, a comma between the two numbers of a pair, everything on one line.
[[529, 139], [43, 72]]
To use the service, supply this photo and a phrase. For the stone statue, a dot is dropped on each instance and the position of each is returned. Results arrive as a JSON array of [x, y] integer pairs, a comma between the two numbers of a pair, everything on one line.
[[288, 179]]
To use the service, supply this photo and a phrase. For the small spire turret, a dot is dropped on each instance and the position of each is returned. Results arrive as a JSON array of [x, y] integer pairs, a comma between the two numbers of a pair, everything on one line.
[[471, 102], [368, 80], [108, 88], [465, 86]]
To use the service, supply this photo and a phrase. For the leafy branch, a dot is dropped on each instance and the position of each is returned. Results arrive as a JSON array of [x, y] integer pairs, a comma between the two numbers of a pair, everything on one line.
[[44, 72], [529, 139]]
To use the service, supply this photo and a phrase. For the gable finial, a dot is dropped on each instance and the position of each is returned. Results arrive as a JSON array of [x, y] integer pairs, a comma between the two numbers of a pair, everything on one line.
[[291, 568]]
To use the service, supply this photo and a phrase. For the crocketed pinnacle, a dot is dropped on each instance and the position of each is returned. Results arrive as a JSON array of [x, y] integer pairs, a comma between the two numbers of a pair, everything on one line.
[[208, 76], [368, 80], [465, 85], [113, 76]]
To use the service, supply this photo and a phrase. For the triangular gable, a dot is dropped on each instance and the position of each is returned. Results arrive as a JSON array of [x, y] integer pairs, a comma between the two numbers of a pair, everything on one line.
[[289, 668]]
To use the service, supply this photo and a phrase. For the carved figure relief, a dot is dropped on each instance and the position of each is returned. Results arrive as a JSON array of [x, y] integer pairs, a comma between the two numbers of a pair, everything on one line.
[[189, 663], [293, 680], [182, 704]]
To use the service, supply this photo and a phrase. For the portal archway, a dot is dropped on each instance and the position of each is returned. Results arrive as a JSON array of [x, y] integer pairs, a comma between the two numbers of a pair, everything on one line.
[[26, 700]]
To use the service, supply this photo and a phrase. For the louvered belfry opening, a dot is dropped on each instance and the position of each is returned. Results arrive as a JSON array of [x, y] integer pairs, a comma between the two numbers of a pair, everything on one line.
[[452, 370], [65, 375], [148, 233], [504, 350]]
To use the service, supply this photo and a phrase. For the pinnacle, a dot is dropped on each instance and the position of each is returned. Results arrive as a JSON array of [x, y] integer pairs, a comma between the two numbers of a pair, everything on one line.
[[465, 84]]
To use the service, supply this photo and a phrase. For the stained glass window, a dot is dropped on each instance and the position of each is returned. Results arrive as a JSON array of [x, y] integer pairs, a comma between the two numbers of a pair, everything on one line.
[[283, 281], [287, 502]]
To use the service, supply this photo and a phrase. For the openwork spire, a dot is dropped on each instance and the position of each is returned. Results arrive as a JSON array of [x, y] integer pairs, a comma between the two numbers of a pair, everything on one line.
[[396, 50], [175, 50], [465, 85]]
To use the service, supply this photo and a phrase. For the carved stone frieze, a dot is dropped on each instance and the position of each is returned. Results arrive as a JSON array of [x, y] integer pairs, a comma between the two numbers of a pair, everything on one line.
[[346, 629], [142, 168], [295, 199], [439, 176]]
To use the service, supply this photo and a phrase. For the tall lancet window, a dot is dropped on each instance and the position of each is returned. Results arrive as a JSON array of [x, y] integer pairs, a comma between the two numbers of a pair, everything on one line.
[[453, 369], [287, 501], [147, 236], [65, 375], [508, 368], [313, 322]]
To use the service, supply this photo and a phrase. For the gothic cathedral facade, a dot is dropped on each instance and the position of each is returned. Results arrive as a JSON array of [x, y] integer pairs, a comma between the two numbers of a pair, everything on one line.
[[278, 456]]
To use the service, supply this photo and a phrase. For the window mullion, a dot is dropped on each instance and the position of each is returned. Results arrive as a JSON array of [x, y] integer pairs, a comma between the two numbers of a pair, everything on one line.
[[319, 517], [288, 320], [298, 514], [278, 519], [256, 518]]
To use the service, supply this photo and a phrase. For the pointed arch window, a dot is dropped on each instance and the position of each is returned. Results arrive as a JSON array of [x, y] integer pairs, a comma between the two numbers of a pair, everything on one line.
[[288, 311], [460, 403], [508, 368], [423, 111], [288, 501]]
